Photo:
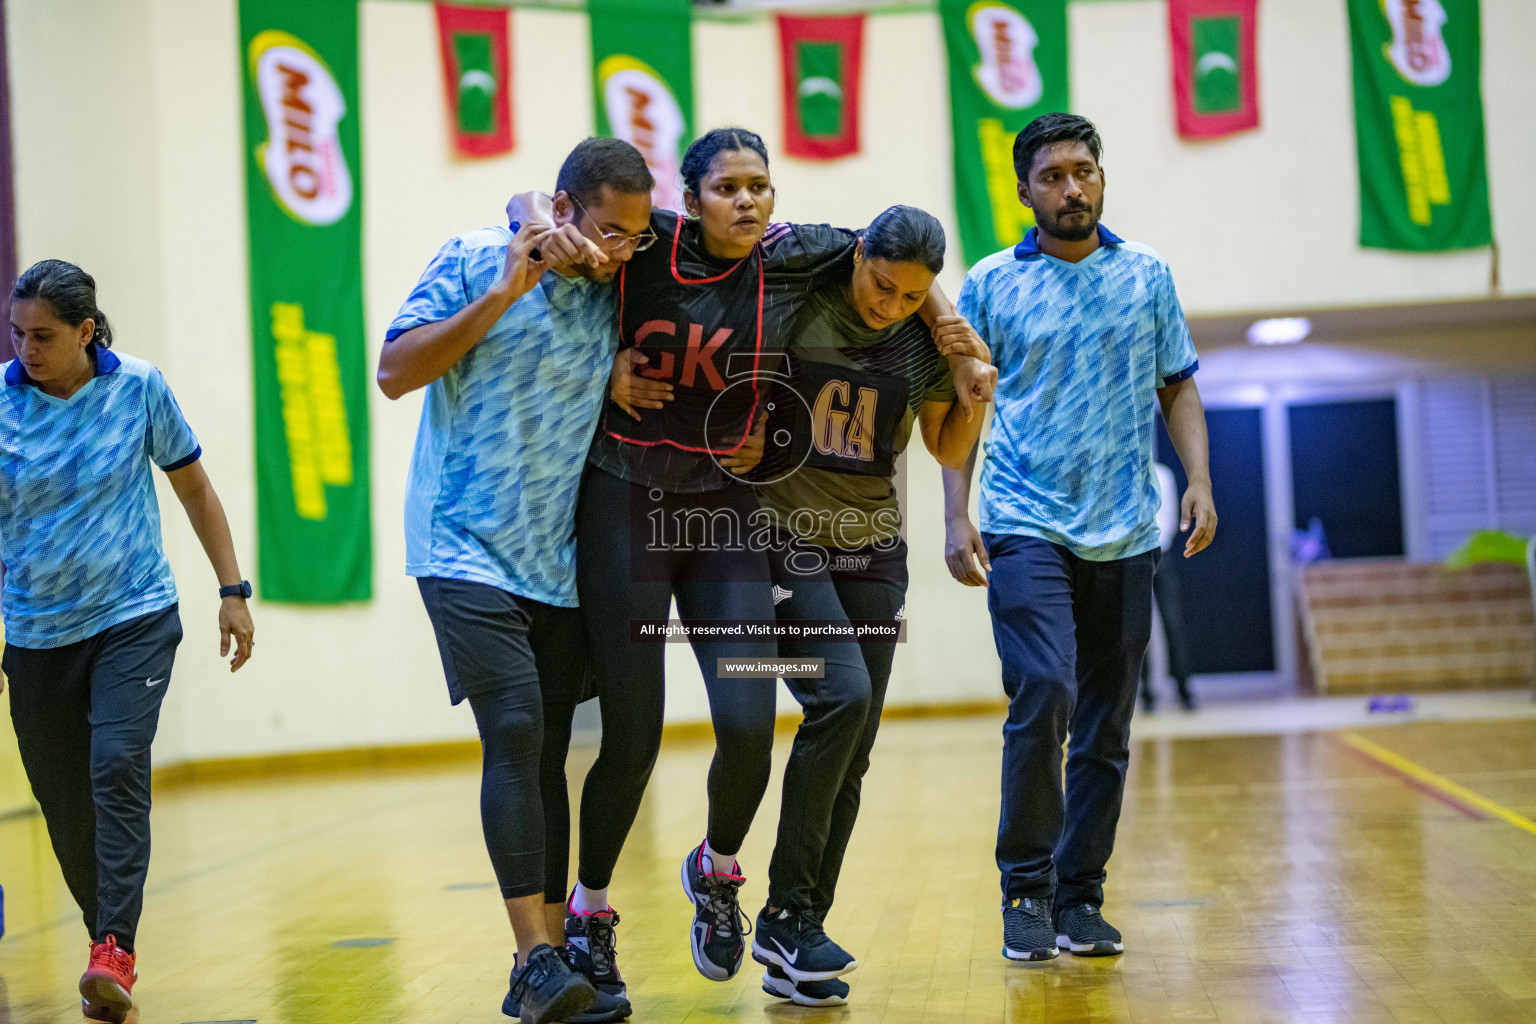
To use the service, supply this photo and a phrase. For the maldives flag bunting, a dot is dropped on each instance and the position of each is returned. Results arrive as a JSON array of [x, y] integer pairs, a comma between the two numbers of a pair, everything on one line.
[[1215, 70], [822, 60], [477, 77]]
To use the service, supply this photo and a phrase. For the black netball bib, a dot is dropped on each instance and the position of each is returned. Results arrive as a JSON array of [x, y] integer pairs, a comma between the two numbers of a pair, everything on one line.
[[704, 336], [845, 420]]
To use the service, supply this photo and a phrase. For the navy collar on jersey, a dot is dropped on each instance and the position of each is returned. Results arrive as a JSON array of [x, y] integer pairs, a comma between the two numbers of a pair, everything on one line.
[[1031, 244], [106, 362]]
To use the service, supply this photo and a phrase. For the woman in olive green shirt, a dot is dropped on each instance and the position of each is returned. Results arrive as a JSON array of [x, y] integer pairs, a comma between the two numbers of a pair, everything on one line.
[[863, 370]]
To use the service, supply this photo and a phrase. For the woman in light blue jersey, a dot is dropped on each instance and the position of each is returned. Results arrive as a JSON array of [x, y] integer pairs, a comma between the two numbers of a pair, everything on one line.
[[90, 604]]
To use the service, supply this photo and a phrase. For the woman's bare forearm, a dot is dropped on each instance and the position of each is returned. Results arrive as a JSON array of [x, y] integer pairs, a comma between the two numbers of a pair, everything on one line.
[[206, 514], [957, 488]]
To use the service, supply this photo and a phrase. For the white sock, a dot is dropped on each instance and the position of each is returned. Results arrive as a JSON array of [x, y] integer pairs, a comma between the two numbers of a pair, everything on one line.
[[720, 862], [589, 901]]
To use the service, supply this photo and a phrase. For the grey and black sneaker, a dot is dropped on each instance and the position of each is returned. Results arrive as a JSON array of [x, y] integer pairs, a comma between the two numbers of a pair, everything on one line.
[[794, 942], [1028, 933], [833, 992], [719, 927], [1082, 929], [546, 989], [605, 1010], [590, 949]]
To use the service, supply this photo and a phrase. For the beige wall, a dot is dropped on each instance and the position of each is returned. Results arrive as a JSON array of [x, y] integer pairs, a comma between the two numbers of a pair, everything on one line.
[[129, 162]]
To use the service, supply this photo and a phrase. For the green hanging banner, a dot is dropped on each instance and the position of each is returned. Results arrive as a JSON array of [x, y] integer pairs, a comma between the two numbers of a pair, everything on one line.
[[1419, 124], [642, 57], [1007, 66], [303, 205]]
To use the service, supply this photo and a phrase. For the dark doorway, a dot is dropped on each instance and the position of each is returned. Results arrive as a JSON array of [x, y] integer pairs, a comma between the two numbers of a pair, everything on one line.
[[1227, 610], [1344, 472]]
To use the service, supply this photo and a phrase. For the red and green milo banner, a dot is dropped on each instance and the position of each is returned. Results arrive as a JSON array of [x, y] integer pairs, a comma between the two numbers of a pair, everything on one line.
[[1007, 66], [642, 55], [303, 206], [1419, 124]]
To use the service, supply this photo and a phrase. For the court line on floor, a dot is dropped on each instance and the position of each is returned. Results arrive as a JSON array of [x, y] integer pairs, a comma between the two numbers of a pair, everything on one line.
[[1442, 786], [245, 857], [1402, 778]]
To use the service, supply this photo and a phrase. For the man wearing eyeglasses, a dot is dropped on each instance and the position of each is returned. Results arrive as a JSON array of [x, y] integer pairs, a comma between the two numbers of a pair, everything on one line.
[[515, 362]]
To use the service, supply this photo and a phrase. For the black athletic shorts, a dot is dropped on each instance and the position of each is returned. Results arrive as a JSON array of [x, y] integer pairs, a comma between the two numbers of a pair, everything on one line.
[[491, 640]]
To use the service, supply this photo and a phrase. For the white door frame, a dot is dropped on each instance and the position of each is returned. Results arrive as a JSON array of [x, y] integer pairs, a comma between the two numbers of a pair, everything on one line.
[[1273, 403]]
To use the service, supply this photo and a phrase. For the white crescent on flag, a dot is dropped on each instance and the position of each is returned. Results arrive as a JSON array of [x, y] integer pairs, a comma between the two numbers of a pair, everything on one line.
[[821, 85], [477, 79], [1215, 59]]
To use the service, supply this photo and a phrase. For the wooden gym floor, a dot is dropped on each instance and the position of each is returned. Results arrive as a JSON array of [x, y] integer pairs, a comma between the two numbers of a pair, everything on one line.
[[1384, 874]]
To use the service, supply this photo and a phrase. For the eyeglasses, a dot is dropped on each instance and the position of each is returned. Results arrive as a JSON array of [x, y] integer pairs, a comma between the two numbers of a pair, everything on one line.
[[613, 241]]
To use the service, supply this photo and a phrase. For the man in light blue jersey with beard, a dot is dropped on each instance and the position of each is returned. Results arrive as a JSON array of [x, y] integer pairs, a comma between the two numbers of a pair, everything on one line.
[[1085, 330], [516, 363]]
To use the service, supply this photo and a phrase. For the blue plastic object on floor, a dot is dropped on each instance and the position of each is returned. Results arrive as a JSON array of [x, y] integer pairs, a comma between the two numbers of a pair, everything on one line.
[[1395, 703]]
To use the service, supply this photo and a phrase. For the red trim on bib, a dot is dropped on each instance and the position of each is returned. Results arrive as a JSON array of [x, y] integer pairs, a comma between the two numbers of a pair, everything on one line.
[[757, 352]]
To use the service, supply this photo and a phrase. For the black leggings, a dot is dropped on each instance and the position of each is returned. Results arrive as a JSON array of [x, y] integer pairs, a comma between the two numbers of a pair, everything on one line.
[[639, 548], [863, 597], [830, 756], [556, 797], [509, 816], [523, 666], [511, 807]]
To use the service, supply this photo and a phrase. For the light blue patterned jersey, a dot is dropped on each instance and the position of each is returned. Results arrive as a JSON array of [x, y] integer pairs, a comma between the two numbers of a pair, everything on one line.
[[504, 433], [1081, 349], [79, 521]]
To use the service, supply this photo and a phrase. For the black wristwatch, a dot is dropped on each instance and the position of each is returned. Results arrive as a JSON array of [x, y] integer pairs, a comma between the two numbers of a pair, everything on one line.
[[241, 589]]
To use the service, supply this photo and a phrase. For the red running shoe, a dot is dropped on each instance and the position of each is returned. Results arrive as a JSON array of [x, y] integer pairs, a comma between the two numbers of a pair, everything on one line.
[[106, 987]]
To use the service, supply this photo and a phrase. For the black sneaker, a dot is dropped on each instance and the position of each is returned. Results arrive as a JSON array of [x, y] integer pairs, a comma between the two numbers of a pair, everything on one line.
[[546, 989], [606, 1010], [806, 993], [795, 943], [1027, 930], [719, 926], [590, 950], [1082, 929]]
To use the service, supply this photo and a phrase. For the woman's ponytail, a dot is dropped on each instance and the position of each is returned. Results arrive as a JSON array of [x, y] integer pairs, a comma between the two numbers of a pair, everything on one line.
[[103, 336]]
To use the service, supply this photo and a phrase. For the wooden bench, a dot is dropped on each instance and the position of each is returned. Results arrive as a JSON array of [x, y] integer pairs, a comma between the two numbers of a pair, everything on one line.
[[1379, 626]]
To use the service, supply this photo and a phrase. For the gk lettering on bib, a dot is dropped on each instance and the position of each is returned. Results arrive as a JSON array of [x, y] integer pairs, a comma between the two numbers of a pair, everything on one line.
[[704, 336]]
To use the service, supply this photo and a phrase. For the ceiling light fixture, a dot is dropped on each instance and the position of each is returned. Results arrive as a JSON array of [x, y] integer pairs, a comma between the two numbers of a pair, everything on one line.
[[1285, 330]]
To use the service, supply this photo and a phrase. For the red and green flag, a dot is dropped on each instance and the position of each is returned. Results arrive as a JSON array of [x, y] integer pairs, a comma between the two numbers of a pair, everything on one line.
[[477, 77], [1419, 124], [821, 60], [1215, 66]]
